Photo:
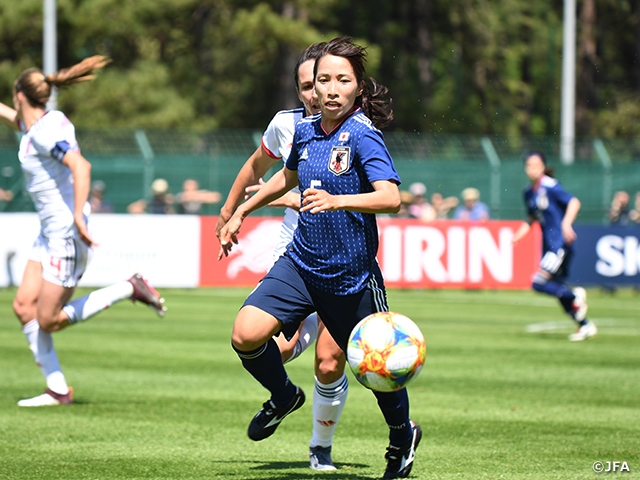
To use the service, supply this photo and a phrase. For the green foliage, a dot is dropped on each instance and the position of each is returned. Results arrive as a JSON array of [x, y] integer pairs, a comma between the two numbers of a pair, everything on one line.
[[168, 399], [111, 99], [455, 66]]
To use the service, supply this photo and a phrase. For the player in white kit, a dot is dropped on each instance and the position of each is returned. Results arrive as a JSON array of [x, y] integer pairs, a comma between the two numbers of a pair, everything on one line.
[[57, 177], [331, 389]]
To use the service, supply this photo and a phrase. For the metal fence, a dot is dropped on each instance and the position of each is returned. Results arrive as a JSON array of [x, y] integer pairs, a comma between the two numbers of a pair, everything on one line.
[[127, 161]]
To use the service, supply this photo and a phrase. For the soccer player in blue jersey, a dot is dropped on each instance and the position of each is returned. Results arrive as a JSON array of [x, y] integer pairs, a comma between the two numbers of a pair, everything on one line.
[[331, 384], [556, 210], [346, 176]]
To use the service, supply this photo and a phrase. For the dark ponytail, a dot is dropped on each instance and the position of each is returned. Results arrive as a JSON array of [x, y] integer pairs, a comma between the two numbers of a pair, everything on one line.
[[376, 103]]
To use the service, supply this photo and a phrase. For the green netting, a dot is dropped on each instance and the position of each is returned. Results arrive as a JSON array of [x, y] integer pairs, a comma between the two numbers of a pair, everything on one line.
[[129, 160]]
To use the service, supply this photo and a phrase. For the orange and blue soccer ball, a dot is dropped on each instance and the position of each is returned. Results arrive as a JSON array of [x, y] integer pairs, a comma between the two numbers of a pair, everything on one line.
[[385, 351]]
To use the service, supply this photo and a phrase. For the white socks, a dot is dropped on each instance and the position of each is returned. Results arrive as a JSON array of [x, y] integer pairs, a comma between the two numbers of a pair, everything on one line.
[[41, 342], [328, 403], [308, 335], [44, 353], [83, 308]]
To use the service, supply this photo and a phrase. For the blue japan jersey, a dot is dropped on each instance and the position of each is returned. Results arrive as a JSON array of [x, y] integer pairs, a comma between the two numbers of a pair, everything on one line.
[[547, 202], [336, 250]]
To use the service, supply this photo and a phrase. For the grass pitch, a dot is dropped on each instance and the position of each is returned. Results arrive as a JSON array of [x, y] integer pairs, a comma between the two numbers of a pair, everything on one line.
[[503, 394]]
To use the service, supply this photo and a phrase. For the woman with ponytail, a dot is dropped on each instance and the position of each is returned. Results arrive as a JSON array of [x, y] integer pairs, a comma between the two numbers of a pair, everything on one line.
[[346, 175], [58, 177]]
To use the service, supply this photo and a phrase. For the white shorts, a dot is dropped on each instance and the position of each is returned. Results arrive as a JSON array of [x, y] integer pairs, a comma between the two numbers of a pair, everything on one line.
[[289, 224], [64, 260]]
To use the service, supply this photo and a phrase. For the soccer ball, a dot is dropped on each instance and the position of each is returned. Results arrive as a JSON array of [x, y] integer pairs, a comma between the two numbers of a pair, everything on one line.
[[385, 351]]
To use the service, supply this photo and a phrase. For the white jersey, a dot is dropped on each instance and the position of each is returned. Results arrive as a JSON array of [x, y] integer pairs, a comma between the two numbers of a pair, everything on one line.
[[48, 180], [276, 142]]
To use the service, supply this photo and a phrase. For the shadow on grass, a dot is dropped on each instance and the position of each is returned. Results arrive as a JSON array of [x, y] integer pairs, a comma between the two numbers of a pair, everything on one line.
[[284, 471]]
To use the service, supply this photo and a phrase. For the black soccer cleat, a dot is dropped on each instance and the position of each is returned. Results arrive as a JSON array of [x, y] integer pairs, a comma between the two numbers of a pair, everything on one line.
[[400, 459], [269, 417]]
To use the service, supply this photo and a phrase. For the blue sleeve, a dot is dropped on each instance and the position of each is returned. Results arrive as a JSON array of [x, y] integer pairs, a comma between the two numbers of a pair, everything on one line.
[[376, 159], [561, 195], [59, 150]]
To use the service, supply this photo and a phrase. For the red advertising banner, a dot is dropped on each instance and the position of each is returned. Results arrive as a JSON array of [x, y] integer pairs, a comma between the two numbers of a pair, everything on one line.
[[412, 254]]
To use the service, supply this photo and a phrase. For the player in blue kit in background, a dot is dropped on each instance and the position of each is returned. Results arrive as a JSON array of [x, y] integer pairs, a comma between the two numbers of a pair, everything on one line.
[[346, 176], [556, 210]]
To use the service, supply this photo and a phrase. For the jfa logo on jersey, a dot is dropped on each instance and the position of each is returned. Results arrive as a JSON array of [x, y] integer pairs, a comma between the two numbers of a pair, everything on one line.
[[542, 201], [344, 136], [339, 160]]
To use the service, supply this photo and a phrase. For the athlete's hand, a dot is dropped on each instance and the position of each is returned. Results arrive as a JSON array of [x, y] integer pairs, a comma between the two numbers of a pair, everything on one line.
[[250, 190], [288, 200], [315, 201], [222, 221], [83, 232], [228, 236], [568, 233]]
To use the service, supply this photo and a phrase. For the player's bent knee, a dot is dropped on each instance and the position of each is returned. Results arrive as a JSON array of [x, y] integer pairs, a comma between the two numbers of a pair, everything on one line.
[[329, 370], [539, 282], [245, 341], [253, 328], [25, 311]]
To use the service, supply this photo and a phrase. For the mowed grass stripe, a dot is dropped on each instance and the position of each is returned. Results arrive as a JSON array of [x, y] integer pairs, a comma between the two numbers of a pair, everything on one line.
[[168, 398]]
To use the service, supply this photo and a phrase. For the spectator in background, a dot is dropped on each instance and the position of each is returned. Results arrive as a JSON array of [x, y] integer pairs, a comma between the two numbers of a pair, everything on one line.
[[6, 195], [619, 210], [634, 215], [443, 206], [472, 208], [96, 198], [191, 198], [420, 207], [160, 203], [406, 198]]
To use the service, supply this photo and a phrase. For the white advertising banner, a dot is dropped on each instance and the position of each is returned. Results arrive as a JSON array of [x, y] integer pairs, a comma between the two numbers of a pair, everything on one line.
[[165, 249]]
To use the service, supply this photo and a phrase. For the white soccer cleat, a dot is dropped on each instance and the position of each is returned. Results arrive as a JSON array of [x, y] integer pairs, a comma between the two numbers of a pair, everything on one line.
[[585, 331], [320, 459], [48, 399], [580, 304]]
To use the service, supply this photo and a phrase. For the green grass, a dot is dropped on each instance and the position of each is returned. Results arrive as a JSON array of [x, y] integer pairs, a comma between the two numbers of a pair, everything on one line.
[[503, 394]]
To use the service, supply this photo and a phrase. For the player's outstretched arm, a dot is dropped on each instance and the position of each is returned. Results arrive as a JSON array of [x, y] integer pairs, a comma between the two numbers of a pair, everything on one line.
[[522, 230], [290, 199], [281, 182], [81, 171], [570, 215], [253, 169], [8, 116]]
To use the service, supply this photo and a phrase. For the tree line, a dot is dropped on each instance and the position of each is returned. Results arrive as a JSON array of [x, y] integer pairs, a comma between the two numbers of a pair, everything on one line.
[[452, 66]]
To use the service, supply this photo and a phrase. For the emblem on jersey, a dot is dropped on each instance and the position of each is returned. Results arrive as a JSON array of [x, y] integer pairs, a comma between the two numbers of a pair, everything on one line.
[[344, 136], [542, 202], [339, 160], [304, 155]]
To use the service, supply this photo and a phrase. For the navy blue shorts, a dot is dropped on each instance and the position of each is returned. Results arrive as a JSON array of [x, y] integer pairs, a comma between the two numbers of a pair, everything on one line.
[[284, 294], [557, 263]]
